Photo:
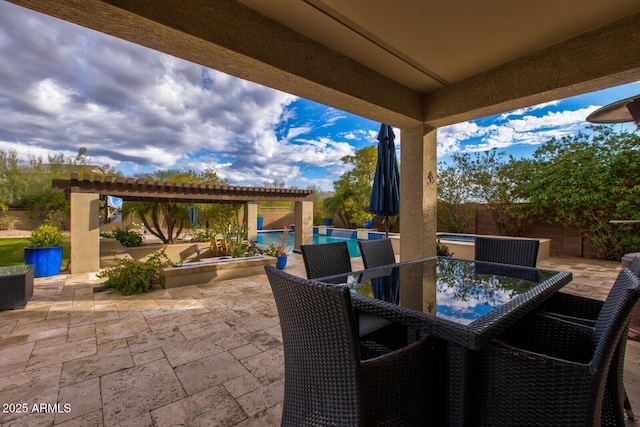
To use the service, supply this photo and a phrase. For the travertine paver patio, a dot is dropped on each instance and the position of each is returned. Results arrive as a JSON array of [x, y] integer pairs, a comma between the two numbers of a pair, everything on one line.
[[207, 355]]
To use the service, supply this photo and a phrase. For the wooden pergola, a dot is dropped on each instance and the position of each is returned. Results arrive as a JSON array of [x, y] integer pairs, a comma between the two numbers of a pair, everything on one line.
[[148, 190], [85, 192]]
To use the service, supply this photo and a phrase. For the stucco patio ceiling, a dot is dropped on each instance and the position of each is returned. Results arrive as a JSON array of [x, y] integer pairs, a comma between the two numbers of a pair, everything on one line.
[[401, 62]]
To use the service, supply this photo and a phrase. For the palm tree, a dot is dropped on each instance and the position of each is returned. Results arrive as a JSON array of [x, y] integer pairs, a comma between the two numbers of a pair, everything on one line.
[[158, 217], [167, 220], [335, 204]]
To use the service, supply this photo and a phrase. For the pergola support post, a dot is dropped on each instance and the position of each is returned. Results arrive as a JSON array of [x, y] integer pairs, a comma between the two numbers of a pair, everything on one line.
[[251, 221], [304, 224], [85, 233]]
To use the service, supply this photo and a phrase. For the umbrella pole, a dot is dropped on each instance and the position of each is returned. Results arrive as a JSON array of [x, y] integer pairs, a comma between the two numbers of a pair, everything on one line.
[[386, 226]]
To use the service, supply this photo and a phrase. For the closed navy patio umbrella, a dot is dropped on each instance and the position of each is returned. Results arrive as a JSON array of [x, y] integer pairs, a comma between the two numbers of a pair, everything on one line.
[[387, 287], [385, 193]]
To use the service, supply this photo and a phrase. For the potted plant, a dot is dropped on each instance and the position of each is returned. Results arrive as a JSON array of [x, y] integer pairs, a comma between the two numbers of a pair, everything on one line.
[[328, 211], [280, 251], [45, 251]]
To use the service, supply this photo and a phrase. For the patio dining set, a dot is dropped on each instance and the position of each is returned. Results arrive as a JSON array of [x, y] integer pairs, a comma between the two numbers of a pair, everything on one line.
[[449, 342]]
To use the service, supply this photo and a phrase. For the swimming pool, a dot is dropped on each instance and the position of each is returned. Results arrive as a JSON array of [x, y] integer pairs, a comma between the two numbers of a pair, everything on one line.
[[456, 237], [273, 237]]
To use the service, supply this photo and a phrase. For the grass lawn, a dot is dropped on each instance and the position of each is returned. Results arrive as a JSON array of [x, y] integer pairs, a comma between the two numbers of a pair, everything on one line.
[[12, 251]]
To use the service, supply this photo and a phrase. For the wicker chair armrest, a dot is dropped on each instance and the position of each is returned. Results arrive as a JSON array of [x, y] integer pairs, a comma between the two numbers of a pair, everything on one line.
[[518, 353], [408, 351], [554, 337], [386, 310], [573, 306], [580, 320]]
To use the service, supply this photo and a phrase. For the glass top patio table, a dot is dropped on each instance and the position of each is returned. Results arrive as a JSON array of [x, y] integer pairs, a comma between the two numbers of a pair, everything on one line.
[[464, 303], [472, 296]]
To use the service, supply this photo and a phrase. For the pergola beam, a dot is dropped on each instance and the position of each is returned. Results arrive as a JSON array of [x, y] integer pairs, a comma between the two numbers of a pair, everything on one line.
[[130, 189]]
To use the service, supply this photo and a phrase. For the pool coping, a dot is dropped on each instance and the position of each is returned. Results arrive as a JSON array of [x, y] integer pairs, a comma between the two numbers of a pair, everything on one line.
[[466, 250]]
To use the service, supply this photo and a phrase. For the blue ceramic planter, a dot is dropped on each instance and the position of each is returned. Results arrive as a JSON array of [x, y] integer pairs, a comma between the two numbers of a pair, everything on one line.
[[46, 261], [368, 224], [281, 263], [260, 222], [327, 221]]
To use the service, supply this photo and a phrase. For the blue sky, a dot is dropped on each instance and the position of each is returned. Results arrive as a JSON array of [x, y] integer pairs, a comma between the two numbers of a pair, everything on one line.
[[63, 86]]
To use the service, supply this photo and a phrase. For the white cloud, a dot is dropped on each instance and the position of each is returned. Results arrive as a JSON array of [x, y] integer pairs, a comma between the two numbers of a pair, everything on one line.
[[526, 130], [130, 105], [331, 116], [296, 131], [551, 120], [449, 137], [523, 111], [319, 152]]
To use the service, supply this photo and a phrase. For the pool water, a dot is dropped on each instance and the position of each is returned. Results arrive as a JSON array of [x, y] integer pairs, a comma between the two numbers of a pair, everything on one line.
[[456, 237], [274, 238]]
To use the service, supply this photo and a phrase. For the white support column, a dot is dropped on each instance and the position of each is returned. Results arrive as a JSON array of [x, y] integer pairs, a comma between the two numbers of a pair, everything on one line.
[[251, 220], [304, 223], [85, 233], [418, 192]]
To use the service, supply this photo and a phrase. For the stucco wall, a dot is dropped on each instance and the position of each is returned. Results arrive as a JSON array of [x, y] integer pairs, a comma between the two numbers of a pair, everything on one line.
[[28, 224]]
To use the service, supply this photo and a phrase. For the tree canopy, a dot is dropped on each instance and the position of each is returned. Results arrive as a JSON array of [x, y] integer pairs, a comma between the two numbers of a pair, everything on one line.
[[582, 182], [353, 189], [484, 177], [26, 184]]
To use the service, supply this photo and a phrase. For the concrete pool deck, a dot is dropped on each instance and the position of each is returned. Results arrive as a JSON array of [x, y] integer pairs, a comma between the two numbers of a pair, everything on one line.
[[208, 355]]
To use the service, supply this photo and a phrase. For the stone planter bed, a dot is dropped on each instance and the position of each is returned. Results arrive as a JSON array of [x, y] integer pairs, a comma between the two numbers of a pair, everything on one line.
[[198, 273]]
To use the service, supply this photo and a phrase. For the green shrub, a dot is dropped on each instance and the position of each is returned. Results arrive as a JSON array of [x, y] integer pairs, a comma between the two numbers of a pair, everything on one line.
[[318, 217], [135, 277], [442, 249], [45, 236], [202, 235], [8, 222], [127, 237]]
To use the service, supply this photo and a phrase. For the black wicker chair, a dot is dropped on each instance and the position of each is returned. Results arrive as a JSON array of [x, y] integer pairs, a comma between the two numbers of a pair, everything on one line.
[[635, 266], [586, 311], [334, 379], [327, 259], [521, 252], [330, 259], [545, 371], [376, 253]]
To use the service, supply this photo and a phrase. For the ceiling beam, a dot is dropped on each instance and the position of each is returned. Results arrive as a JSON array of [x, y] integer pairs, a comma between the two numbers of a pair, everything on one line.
[[602, 58]]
